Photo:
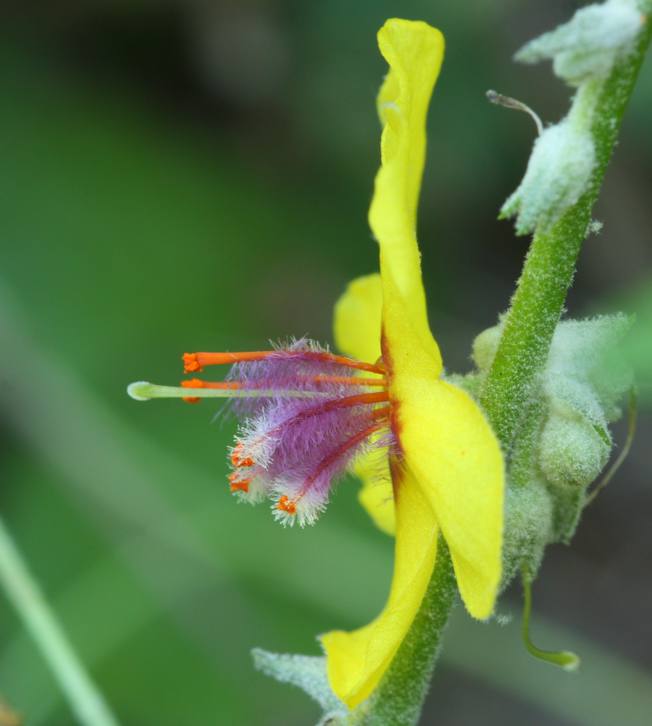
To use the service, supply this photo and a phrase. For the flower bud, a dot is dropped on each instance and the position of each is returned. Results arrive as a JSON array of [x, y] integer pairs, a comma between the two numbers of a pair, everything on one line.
[[485, 346], [528, 527], [557, 175], [573, 451]]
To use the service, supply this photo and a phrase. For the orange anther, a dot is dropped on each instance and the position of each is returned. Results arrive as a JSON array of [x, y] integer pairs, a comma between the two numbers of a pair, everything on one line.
[[238, 485], [236, 458], [190, 363], [193, 383], [285, 504], [198, 383]]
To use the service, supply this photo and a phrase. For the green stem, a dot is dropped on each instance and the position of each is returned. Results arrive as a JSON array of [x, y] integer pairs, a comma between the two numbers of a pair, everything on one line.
[[549, 267], [85, 700], [400, 696]]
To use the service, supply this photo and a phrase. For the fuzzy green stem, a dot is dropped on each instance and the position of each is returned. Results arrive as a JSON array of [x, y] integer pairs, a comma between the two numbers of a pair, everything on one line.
[[400, 696], [549, 268], [85, 700]]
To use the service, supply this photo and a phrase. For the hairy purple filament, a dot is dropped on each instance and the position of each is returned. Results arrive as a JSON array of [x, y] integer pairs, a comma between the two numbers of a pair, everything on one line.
[[292, 449]]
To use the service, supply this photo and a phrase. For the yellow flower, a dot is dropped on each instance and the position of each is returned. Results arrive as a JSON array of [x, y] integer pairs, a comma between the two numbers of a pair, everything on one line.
[[448, 475], [309, 414]]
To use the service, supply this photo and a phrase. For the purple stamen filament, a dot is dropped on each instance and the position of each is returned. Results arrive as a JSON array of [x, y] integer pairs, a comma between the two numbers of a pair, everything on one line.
[[359, 400], [334, 455], [289, 448]]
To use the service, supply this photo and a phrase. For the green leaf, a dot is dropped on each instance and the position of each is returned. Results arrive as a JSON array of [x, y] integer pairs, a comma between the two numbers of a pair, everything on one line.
[[305, 672]]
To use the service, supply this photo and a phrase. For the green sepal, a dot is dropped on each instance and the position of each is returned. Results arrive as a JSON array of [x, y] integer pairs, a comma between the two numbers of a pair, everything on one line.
[[307, 673]]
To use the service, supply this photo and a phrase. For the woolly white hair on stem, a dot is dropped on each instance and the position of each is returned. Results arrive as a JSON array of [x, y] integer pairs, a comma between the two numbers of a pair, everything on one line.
[[588, 45], [557, 175]]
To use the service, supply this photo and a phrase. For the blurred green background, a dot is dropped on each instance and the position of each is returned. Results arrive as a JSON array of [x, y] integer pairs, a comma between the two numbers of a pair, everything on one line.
[[195, 175]]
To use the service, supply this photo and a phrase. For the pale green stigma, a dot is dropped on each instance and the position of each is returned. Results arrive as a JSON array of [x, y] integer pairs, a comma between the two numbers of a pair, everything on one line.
[[145, 391]]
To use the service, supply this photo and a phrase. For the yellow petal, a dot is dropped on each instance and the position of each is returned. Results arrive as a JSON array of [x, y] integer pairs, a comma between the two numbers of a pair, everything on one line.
[[376, 494], [414, 52], [358, 660], [357, 319], [456, 461], [357, 333], [446, 441]]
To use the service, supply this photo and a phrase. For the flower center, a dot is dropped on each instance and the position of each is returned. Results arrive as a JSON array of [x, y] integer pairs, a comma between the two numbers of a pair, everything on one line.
[[305, 415]]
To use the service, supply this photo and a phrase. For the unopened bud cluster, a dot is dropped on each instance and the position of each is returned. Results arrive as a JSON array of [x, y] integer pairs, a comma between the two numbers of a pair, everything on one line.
[[576, 397]]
